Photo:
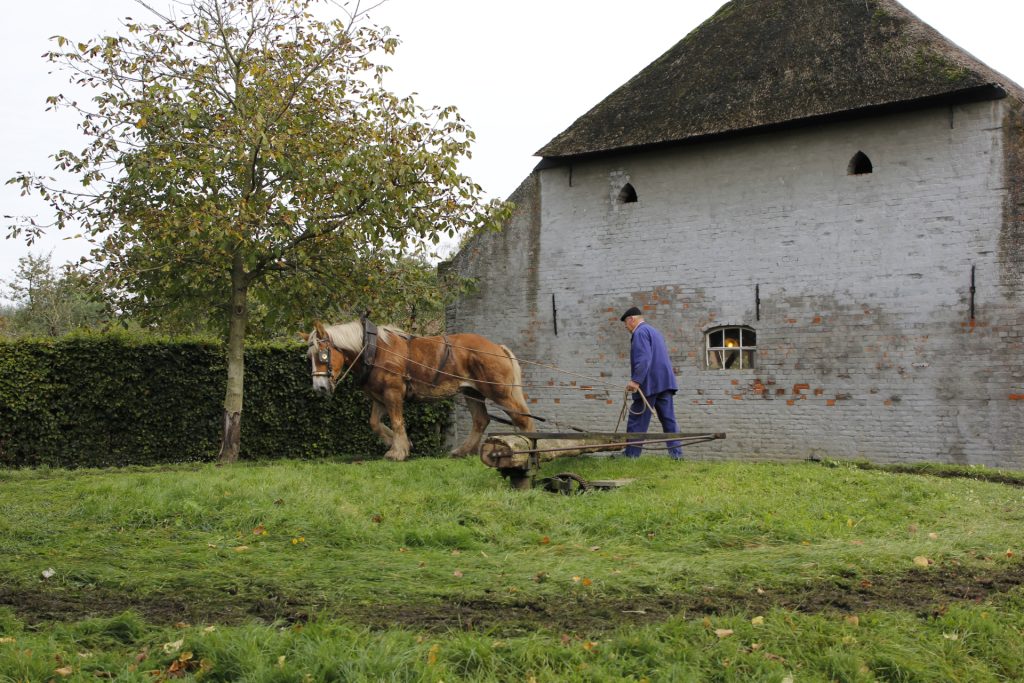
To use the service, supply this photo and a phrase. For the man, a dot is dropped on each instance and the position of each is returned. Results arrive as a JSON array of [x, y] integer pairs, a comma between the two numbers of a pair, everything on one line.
[[650, 373]]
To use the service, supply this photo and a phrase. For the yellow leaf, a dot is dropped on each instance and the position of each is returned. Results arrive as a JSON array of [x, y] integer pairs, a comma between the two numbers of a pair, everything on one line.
[[280, 662], [7, 639], [432, 654], [723, 632], [933, 536], [173, 646], [240, 548], [260, 531], [853, 620], [586, 581], [575, 579], [457, 574], [757, 621], [64, 671], [922, 561]]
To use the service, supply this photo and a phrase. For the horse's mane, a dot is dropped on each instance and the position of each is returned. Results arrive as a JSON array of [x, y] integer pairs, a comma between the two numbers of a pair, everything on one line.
[[349, 336]]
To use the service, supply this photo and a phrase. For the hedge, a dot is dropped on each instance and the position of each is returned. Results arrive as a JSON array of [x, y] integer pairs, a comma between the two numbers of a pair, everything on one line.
[[117, 399]]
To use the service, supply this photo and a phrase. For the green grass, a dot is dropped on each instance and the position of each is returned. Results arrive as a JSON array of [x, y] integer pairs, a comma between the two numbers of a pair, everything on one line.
[[434, 570]]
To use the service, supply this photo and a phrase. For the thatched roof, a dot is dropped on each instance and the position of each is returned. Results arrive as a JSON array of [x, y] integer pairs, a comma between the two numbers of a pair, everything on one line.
[[765, 63]]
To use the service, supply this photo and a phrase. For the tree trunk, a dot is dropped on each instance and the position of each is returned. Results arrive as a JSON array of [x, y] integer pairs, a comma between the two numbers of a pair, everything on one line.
[[232, 440]]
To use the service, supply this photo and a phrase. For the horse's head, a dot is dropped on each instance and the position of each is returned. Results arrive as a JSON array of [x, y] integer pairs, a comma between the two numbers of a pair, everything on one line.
[[325, 359]]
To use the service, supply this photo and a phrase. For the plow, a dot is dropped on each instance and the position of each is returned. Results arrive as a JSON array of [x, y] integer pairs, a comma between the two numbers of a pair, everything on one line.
[[519, 456]]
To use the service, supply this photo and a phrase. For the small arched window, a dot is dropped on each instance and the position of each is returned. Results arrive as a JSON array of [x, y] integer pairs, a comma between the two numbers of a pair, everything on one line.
[[731, 348], [860, 164], [627, 195]]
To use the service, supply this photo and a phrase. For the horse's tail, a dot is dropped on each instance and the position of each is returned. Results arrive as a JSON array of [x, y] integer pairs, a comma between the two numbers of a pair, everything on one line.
[[517, 386]]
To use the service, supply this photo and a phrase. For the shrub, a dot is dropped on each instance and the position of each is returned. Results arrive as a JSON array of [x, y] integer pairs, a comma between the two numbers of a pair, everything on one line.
[[94, 400]]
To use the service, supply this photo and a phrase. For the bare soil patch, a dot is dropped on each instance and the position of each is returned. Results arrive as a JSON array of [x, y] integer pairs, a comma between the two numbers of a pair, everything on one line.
[[924, 592]]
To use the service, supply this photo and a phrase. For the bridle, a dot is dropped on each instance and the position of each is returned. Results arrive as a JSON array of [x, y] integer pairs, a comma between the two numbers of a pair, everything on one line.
[[324, 354]]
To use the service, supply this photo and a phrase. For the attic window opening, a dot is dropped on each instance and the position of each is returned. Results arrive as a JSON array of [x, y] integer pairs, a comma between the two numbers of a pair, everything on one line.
[[731, 348], [860, 164], [627, 195]]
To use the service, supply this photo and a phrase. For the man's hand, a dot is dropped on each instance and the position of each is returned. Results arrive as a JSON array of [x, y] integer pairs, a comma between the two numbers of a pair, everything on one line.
[[632, 387]]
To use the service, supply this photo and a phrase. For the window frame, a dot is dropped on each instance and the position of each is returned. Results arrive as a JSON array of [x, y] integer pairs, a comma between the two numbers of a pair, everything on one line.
[[725, 355]]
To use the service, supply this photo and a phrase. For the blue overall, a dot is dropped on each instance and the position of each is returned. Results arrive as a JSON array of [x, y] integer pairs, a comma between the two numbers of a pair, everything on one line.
[[651, 368]]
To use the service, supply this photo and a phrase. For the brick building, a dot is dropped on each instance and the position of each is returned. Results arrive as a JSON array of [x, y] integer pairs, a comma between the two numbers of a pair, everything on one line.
[[820, 204]]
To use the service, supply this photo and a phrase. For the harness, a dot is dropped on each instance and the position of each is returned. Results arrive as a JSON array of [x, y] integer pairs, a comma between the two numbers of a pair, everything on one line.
[[369, 350], [445, 355]]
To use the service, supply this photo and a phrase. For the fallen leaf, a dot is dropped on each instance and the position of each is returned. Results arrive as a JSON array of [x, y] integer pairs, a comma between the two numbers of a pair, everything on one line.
[[7, 639], [545, 540], [181, 624], [1009, 553], [575, 579], [540, 577], [853, 620], [64, 671], [912, 528], [209, 629], [594, 548], [856, 542], [589, 645], [279, 501], [376, 519], [173, 646], [723, 632], [933, 536], [757, 621], [456, 551], [951, 636], [48, 573], [586, 581], [280, 662], [240, 548], [922, 561], [259, 531], [457, 574], [432, 654]]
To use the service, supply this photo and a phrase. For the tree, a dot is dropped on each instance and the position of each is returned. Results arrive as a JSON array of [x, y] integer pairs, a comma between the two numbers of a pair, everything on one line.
[[47, 303], [246, 151]]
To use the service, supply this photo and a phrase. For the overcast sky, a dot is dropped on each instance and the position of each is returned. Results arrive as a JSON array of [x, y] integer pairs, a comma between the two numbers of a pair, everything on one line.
[[520, 72]]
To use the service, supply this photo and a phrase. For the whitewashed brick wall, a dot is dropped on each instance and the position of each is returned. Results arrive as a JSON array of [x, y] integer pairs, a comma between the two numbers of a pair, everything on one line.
[[866, 348]]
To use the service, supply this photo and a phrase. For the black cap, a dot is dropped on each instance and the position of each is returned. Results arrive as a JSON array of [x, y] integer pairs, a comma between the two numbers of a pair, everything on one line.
[[633, 310]]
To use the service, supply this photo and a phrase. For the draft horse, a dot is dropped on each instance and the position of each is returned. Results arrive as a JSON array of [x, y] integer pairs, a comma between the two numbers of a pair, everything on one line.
[[391, 366]]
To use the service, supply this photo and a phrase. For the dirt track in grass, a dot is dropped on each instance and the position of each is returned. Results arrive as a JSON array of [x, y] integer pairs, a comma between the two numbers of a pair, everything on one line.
[[920, 591]]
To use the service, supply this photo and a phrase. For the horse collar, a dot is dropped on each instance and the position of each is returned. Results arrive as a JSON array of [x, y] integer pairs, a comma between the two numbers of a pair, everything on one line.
[[369, 350]]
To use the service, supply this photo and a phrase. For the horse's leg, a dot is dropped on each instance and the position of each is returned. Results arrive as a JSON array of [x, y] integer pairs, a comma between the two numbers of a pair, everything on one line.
[[513, 403], [478, 409], [379, 428], [400, 441]]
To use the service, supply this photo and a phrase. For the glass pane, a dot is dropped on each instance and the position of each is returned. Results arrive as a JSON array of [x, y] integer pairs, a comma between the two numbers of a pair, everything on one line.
[[732, 337], [713, 359], [732, 360], [749, 338], [715, 339], [748, 359]]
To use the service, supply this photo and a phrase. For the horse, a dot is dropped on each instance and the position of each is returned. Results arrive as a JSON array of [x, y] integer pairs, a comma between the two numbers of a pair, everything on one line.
[[391, 366]]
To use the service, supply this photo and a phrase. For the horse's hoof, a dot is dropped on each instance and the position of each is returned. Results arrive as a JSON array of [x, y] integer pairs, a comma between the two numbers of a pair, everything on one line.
[[457, 454], [396, 456]]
